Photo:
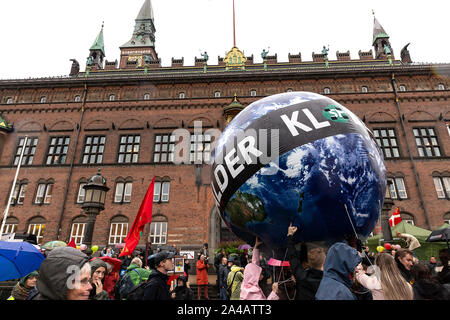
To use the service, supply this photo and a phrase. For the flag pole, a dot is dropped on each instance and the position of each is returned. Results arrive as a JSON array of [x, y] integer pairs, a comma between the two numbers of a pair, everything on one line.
[[13, 187]]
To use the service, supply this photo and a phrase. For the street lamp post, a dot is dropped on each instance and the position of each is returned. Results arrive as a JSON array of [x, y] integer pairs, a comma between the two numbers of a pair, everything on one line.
[[94, 202], [387, 205]]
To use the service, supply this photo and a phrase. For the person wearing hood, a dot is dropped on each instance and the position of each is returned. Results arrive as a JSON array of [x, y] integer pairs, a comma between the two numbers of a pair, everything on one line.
[[24, 287], [157, 287], [234, 279], [64, 275], [427, 287], [111, 278], [404, 259], [182, 291], [250, 289], [340, 264], [98, 271]]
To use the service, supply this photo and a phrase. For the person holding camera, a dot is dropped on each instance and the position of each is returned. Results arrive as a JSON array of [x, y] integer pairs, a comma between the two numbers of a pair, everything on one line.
[[202, 277]]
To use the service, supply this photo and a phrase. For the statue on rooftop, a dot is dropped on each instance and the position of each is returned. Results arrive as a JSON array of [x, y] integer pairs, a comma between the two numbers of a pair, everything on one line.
[[386, 49], [147, 59], [325, 52], [90, 60], [205, 56], [264, 53]]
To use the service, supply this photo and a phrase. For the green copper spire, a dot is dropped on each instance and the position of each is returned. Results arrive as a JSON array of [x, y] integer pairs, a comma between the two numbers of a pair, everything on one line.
[[378, 31], [98, 43]]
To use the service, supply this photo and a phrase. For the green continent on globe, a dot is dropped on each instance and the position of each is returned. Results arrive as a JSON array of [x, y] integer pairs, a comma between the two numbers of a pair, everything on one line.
[[246, 207], [335, 113]]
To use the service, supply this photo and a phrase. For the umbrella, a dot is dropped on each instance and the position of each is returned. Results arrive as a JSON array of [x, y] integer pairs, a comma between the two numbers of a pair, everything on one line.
[[278, 263], [54, 244], [440, 235], [17, 259], [112, 261], [119, 245], [244, 247]]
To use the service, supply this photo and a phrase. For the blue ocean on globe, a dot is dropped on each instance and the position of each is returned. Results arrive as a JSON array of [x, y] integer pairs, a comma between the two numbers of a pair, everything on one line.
[[329, 188]]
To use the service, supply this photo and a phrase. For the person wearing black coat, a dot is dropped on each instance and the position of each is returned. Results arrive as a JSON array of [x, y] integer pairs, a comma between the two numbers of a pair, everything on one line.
[[426, 287], [444, 275], [182, 290], [157, 287], [404, 260], [297, 259]]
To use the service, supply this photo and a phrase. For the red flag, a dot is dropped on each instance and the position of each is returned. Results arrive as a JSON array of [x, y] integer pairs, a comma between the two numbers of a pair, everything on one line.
[[396, 218], [143, 217], [72, 244]]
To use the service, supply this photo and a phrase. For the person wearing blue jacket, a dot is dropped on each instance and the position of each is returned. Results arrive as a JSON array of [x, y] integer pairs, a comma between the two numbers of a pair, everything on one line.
[[339, 266]]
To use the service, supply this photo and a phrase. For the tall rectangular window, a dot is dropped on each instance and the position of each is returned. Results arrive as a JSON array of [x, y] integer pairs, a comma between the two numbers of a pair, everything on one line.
[[200, 148], [158, 232], [44, 193], [398, 188], [19, 193], [387, 141], [81, 193], [442, 186], [57, 150], [129, 149], [37, 230], [163, 148], [118, 232], [161, 191], [123, 192], [77, 233], [427, 142], [10, 228], [94, 146], [28, 153]]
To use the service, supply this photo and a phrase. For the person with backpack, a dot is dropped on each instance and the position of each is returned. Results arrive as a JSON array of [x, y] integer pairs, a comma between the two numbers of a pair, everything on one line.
[[156, 287], [234, 280], [134, 276]]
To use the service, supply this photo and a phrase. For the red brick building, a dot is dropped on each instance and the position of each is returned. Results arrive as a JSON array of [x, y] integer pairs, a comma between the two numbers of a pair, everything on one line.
[[118, 116]]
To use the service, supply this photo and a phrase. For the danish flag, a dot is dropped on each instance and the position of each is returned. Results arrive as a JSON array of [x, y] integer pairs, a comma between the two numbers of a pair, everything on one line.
[[396, 218]]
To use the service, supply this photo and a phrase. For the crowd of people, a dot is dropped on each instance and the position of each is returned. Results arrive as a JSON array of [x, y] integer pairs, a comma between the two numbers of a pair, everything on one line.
[[344, 271]]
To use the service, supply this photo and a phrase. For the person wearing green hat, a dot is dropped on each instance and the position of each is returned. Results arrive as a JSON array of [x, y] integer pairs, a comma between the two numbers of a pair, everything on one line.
[[98, 270], [22, 289]]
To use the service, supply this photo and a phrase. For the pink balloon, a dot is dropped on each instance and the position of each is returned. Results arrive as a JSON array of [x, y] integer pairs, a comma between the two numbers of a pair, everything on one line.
[[397, 247]]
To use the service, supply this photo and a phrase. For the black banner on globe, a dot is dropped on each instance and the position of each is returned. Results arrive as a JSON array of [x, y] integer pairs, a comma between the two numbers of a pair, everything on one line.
[[272, 135]]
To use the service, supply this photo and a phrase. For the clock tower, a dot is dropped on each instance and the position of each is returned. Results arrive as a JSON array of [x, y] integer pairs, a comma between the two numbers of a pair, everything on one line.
[[140, 49]]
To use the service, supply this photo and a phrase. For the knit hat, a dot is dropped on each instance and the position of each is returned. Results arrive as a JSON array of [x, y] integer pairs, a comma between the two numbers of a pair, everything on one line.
[[23, 280]]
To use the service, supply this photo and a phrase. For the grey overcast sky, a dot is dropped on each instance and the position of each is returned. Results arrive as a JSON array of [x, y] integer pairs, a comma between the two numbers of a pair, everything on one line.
[[39, 37]]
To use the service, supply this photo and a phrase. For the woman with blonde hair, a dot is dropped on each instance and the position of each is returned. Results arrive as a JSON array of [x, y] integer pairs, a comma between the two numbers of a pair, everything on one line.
[[387, 283]]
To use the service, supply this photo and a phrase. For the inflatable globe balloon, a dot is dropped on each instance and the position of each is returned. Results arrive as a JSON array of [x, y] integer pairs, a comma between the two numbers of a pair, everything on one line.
[[299, 158]]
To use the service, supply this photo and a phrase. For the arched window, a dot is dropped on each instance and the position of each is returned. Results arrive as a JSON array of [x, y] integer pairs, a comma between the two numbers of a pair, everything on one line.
[[402, 87], [77, 98], [81, 190], [289, 90], [326, 90], [441, 86], [147, 96], [217, 94], [44, 192], [253, 93], [118, 230], [446, 218], [407, 217], [181, 95], [20, 190], [9, 100], [11, 225], [364, 89], [43, 99], [442, 184], [158, 230], [78, 229], [112, 97], [36, 226]]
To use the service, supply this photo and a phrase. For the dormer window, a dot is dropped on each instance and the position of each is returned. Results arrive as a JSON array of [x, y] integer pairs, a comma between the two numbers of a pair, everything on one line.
[[43, 99], [181, 95], [441, 86], [147, 96], [326, 90], [9, 100], [289, 90], [217, 94], [401, 87], [364, 89], [253, 93], [112, 97], [77, 98]]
